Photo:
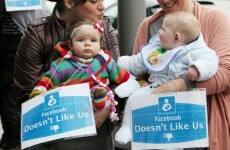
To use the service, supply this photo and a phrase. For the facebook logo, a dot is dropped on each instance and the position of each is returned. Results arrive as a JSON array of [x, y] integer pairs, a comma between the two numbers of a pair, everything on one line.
[[166, 105], [52, 100]]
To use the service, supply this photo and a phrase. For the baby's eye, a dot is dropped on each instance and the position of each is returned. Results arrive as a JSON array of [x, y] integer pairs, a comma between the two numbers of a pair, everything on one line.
[[81, 40], [93, 40]]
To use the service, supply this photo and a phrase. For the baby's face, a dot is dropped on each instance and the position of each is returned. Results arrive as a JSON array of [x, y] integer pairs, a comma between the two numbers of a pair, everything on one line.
[[86, 42], [166, 36]]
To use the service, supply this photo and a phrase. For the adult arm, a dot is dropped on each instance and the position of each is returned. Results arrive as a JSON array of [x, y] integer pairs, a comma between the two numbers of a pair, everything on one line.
[[29, 65], [110, 38], [178, 84], [216, 31], [141, 36], [100, 116]]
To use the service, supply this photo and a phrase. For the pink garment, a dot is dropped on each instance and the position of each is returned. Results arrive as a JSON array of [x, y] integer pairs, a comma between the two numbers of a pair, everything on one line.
[[215, 28]]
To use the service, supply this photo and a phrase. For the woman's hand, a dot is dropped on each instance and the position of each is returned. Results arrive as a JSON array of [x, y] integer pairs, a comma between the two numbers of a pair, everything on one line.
[[172, 86], [100, 116]]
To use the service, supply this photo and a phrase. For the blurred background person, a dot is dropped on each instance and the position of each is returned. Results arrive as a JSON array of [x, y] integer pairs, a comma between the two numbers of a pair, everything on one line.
[[12, 26]]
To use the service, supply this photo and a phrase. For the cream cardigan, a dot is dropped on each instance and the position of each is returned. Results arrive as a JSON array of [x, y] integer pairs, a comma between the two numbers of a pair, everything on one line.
[[215, 28]]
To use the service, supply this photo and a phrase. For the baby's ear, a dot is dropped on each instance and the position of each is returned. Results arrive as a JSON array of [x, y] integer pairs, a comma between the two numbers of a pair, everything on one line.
[[177, 37], [70, 45]]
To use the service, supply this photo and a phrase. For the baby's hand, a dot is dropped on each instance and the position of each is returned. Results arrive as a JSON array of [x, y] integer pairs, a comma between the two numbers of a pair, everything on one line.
[[127, 88], [143, 83], [193, 74], [35, 93]]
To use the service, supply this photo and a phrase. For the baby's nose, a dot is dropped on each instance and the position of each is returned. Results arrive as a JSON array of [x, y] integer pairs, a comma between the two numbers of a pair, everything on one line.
[[87, 43]]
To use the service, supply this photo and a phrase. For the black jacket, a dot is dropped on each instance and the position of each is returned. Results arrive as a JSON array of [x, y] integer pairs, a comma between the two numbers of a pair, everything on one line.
[[35, 52]]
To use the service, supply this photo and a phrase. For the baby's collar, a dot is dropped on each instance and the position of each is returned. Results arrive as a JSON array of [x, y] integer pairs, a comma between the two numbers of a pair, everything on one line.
[[82, 60]]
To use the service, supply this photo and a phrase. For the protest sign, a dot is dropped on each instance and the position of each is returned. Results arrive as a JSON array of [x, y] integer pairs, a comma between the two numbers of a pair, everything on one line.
[[173, 120], [18, 5], [65, 112]]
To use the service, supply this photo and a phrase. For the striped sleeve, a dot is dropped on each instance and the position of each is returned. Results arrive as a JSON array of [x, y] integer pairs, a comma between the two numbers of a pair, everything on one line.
[[116, 73], [50, 78]]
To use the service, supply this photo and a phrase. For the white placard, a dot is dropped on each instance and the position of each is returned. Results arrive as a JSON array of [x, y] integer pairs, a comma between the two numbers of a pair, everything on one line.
[[176, 120], [65, 112], [18, 5]]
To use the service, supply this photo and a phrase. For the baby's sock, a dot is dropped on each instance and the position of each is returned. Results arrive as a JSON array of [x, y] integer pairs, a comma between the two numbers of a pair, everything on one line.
[[124, 134], [99, 97]]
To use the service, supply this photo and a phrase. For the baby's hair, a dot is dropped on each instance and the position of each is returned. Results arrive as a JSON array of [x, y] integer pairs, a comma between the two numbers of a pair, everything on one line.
[[186, 24], [78, 23]]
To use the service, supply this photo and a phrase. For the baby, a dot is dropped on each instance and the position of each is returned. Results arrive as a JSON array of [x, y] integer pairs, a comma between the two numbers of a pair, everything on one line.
[[81, 60], [179, 50]]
